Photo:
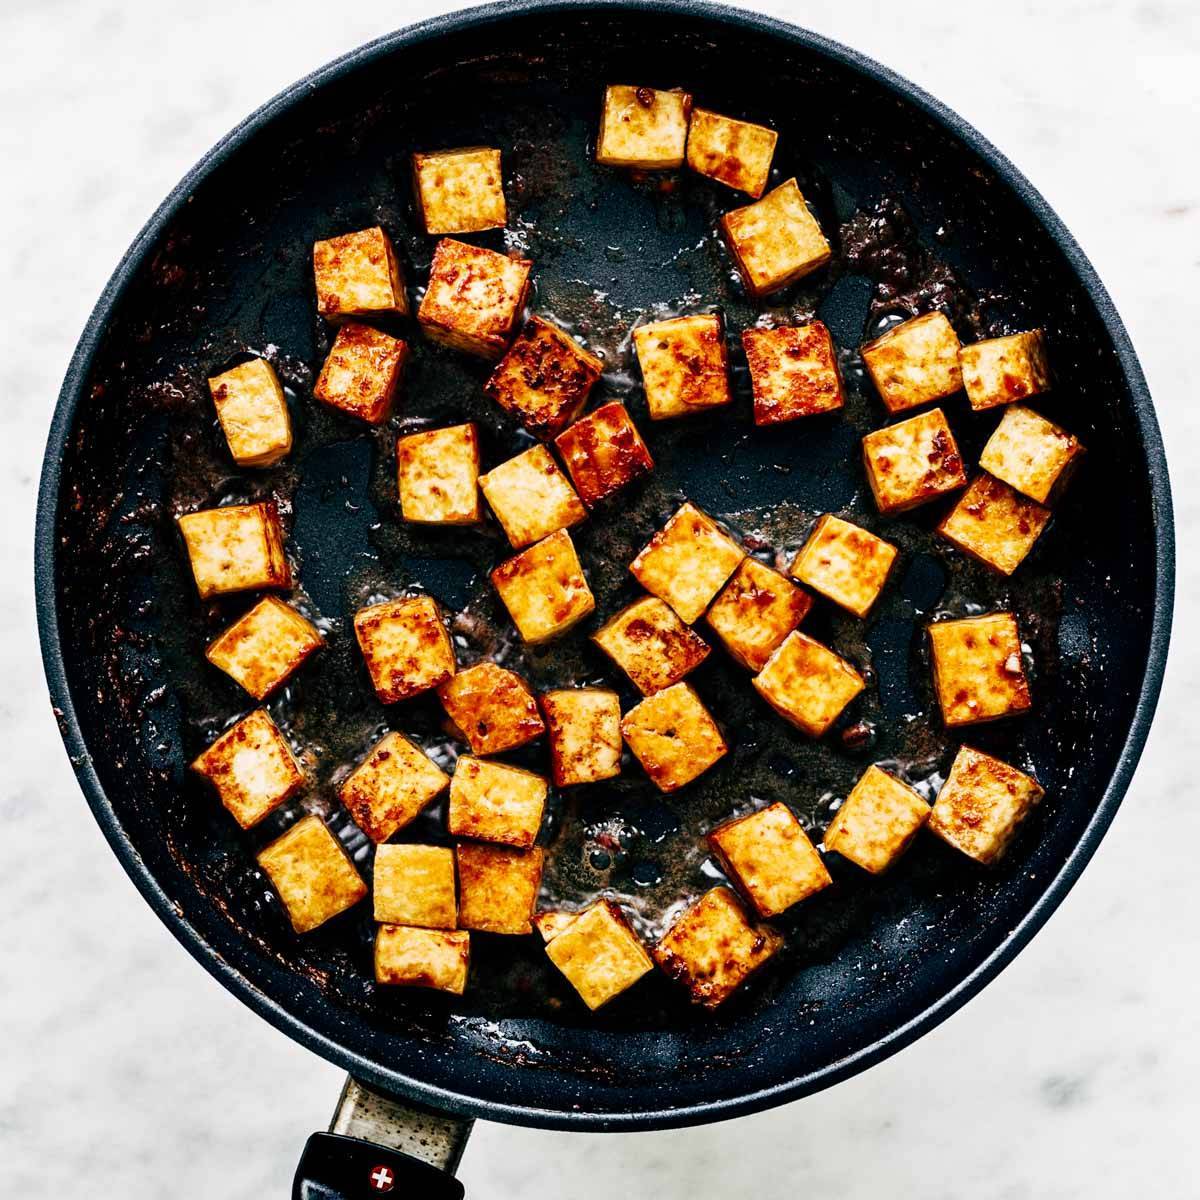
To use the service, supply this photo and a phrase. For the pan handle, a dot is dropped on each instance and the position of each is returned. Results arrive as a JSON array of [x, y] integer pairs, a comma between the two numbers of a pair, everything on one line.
[[377, 1146]]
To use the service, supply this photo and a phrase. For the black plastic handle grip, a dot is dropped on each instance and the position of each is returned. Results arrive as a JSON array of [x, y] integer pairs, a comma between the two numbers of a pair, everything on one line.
[[345, 1168]]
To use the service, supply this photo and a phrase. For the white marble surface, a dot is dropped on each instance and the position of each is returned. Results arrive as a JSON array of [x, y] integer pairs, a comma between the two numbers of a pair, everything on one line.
[[1073, 1075]]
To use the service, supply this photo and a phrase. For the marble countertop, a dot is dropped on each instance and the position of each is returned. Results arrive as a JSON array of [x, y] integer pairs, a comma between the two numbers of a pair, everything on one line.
[[1072, 1075]]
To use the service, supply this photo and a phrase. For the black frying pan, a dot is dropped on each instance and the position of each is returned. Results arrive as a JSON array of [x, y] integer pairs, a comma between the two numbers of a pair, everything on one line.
[[924, 213]]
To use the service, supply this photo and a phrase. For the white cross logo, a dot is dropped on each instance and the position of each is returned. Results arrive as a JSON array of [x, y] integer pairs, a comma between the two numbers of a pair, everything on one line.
[[382, 1179]]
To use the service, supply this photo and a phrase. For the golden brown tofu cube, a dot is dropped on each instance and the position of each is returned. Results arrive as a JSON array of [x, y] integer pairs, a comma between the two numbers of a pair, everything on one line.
[[361, 374], [391, 786], [459, 191], [735, 153], [474, 298], [714, 948], [685, 365], [1031, 454], [426, 958], [1004, 369], [358, 276], [995, 524], [236, 548], [877, 821], [493, 708], [545, 378], [673, 736], [643, 128], [793, 371], [497, 887], [252, 767], [915, 362], [584, 725], [599, 954], [776, 240], [757, 609], [913, 462], [651, 644], [807, 684], [531, 497], [544, 588], [253, 413], [687, 562], [491, 802], [770, 858], [978, 672], [406, 647], [845, 563], [604, 452], [265, 647], [312, 874], [439, 476], [414, 885]]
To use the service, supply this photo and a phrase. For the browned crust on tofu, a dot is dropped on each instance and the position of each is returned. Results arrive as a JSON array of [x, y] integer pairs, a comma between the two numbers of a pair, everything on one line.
[[544, 588], [603, 453], [651, 644], [978, 672], [685, 365], [808, 684], [391, 786], [498, 887], [936, 466], [673, 736], [587, 755], [494, 708], [994, 524], [793, 371], [755, 611], [337, 255], [312, 874], [423, 958], [261, 669], [431, 661], [360, 375], [434, 172], [735, 153], [1004, 370]]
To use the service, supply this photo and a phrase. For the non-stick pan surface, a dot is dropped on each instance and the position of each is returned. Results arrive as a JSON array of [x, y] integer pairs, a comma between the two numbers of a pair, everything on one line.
[[923, 212]]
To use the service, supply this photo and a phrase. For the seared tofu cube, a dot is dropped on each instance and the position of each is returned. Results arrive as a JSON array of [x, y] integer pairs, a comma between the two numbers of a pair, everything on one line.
[[236, 548], [584, 726], [1004, 369], [550, 924], [643, 128], [775, 241], [439, 476], [406, 647], [391, 786], [770, 858], [845, 563], [978, 672], [915, 362], [252, 767], [459, 191], [491, 802], [474, 298], [414, 885], [714, 948], [685, 365], [604, 452], [599, 954], [361, 374], [673, 736], [492, 707], [995, 524], [1031, 454], [531, 497], [545, 378], [687, 562], [253, 413], [544, 588], [497, 887], [981, 804], [912, 462], [757, 609], [651, 644], [312, 874], [807, 684], [426, 958], [877, 821], [264, 648], [735, 153], [793, 371], [358, 276]]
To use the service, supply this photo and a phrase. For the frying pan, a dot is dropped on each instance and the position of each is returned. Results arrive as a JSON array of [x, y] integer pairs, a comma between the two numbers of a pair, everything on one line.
[[924, 213]]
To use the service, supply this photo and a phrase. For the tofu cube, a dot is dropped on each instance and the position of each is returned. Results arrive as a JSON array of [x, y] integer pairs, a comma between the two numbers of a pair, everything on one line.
[[775, 241], [673, 736], [994, 524], [358, 276], [391, 786], [414, 885], [913, 462], [643, 128], [265, 647], [757, 609], [1031, 454], [687, 562], [253, 413], [845, 563], [877, 821], [474, 298], [793, 372], [544, 588], [807, 684], [236, 548], [981, 804], [406, 647], [599, 954], [491, 802], [770, 858], [915, 362], [685, 365], [531, 497], [651, 644], [493, 708], [604, 453], [714, 948], [1001, 370], [978, 672], [361, 374], [735, 153], [551, 924], [439, 476], [426, 958], [312, 874], [584, 726], [497, 887], [459, 191], [252, 767]]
